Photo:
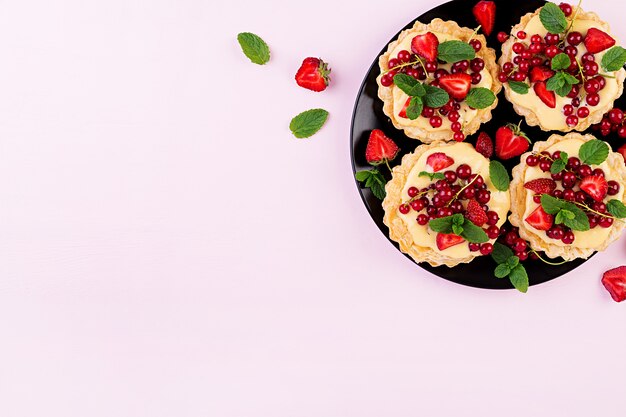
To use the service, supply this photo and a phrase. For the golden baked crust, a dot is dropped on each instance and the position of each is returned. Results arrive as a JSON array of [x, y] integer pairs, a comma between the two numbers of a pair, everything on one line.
[[518, 203], [464, 34], [398, 231], [534, 119]]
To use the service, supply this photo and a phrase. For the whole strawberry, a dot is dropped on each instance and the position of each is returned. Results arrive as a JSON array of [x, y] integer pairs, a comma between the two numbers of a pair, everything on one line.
[[313, 74]]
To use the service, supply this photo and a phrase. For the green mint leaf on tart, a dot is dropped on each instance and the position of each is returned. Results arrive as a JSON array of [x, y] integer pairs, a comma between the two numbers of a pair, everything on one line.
[[566, 213], [409, 85], [552, 18], [455, 51], [519, 87], [373, 180], [559, 164], [254, 48], [501, 253], [415, 108], [614, 59], [519, 277], [561, 83], [561, 61], [473, 233], [441, 225], [594, 152], [435, 97], [499, 176], [502, 271], [307, 123], [433, 175], [616, 208], [512, 262], [509, 266], [480, 98]]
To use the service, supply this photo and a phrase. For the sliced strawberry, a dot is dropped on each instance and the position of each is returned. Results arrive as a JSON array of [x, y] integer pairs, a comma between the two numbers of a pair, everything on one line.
[[622, 151], [447, 241], [380, 148], [548, 97], [540, 220], [484, 145], [596, 186], [597, 41], [313, 74], [541, 185], [510, 142], [540, 74], [485, 14], [439, 161], [614, 281], [426, 46], [475, 213], [406, 106], [457, 85]]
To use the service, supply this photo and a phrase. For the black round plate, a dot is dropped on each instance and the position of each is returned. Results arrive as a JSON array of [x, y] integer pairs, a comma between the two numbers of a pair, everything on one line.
[[368, 115]]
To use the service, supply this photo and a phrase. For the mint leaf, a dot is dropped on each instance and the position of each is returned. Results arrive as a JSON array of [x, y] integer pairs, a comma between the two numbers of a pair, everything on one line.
[[552, 18], [473, 233], [518, 275], [307, 123], [555, 82], [432, 175], [570, 79], [435, 97], [519, 87], [594, 152], [502, 271], [560, 62], [499, 176], [457, 230], [254, 48], [362, 175], [415, 108], [409, 85], [557, 166], [563, 216], [378, 189], [374, 180], [512, 262], [614, 59], [455, 51], [501, 253], [551, 205], [480, 98], [441, 225], [616, 208]]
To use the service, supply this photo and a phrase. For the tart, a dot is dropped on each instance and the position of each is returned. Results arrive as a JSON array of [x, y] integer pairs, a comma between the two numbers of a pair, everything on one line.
[[440, 56], [588, 191], [444, 182], [560, 81]]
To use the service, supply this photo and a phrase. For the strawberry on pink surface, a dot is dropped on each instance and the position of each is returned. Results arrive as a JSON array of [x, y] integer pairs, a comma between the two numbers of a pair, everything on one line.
[[313, 74], [439, 161], [614, 281], [380, 149]]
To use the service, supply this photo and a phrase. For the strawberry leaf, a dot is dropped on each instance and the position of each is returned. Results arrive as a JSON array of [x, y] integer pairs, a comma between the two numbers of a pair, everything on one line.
[[455, 51], [552, 18], [254, 48], [308, 123], [614, 59]]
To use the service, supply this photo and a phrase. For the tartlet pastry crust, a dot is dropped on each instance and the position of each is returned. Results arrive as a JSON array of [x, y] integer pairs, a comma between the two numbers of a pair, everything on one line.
[[463, 34], [518, 203], [534, 119]]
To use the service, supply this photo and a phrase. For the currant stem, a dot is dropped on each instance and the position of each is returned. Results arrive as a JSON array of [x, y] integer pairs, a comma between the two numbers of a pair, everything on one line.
[[547, 262], [462, 189]]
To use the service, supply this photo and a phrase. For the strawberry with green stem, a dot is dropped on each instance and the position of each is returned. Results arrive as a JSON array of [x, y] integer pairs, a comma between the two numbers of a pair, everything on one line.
[[380, 150]]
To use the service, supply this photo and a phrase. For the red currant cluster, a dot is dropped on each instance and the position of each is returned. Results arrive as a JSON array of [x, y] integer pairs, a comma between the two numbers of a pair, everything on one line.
[[510, 237], [613, 121]]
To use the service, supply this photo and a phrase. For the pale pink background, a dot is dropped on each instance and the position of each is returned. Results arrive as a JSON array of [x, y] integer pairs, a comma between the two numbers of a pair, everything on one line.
[[167, 248]]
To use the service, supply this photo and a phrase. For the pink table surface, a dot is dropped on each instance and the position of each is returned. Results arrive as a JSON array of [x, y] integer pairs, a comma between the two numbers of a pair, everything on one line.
[[167, 248]]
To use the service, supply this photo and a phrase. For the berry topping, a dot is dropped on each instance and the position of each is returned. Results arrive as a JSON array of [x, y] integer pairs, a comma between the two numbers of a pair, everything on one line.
[[540, 220], [425, 46], [457, 85], [548, 97], [484, 145], [439, 161], [614, 281], [541, 185], [510, 142], [380, 148], [598, 41], [406, 106], [313, 74], [475, 213], [540, 74], [485, 14], [596, 186], [445, 241]]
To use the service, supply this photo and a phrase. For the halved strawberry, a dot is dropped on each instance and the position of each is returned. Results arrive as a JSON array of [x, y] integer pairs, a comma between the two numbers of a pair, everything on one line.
[[447, 241], [597, 41], [540, 74], [485, 14], [541, 185], [540, 220], [614, 281], [439, 161], [548, 97], [313, 74], [406, 106], [484, 145], [511, 142], [475, 213], [426, 46], [596, 186], [380, 148], [457, 85], [622, 151]]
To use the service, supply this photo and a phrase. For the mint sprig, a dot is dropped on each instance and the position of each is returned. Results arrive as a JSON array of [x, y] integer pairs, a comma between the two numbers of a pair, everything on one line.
[[560, 62], [455, 51], [421, 94], [373, 180], [566, 213], [560, 163], [499, 176], [519, 87], [460, 226], [552, 18], [509, 266], [480, 98], [561, 83], [594, 152], [409, 85], [435, 97], [308, 123], [254, 48], [614, 59]]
